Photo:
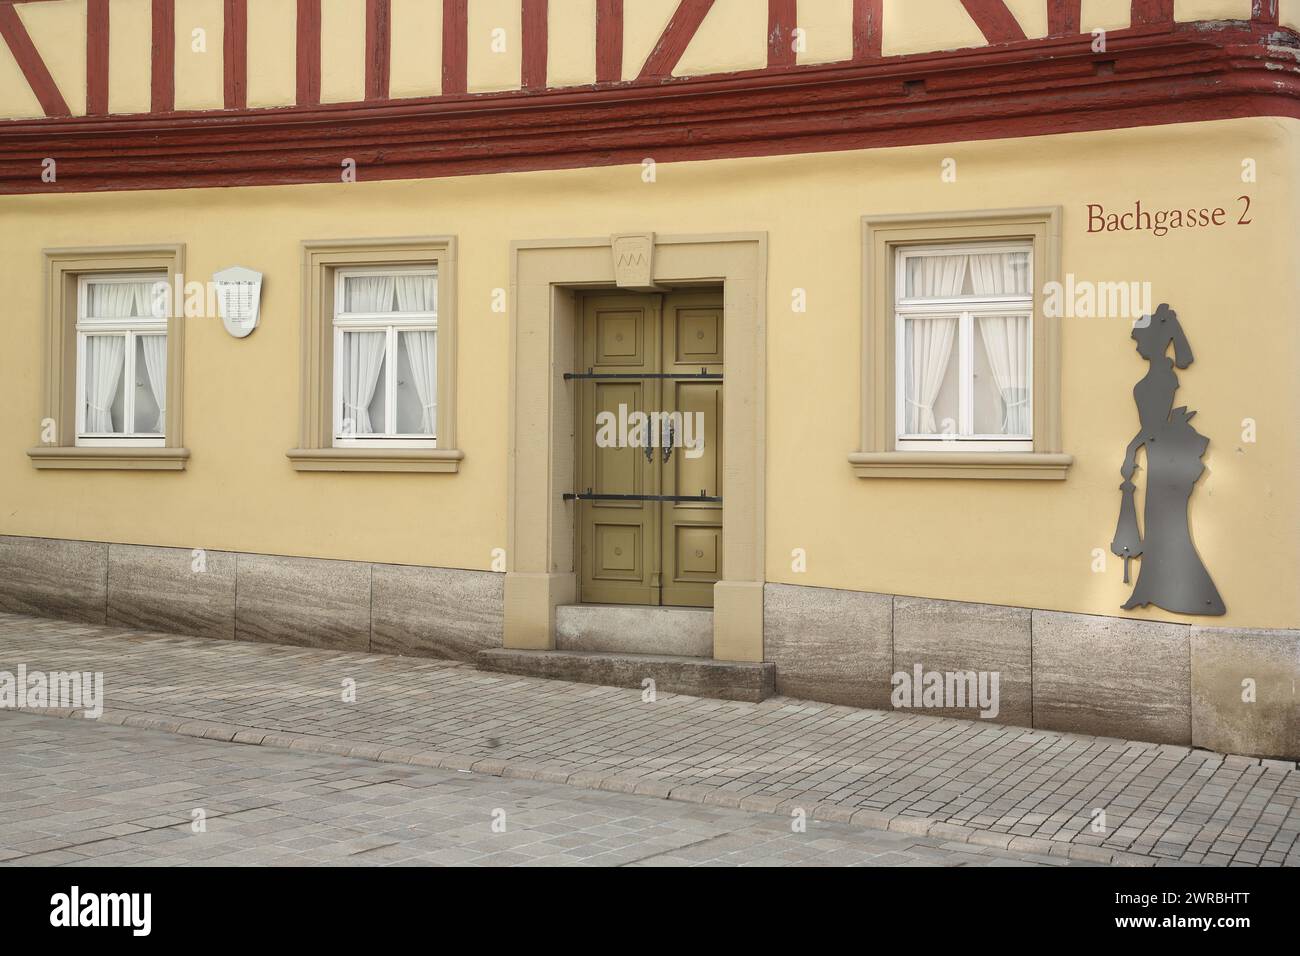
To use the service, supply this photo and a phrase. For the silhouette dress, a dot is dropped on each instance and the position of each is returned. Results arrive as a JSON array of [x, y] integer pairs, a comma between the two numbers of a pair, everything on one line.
[[1172, 575]]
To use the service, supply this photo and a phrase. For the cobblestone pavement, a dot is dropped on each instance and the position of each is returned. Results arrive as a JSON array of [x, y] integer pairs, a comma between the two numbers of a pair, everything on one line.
[[84, 795], [961, 781]]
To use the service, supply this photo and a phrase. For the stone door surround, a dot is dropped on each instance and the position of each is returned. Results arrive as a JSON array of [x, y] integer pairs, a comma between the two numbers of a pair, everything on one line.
[[546, 277]]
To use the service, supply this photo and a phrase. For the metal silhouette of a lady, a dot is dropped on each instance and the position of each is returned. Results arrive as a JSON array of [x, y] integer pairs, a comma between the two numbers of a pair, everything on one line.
[[1172, 575]]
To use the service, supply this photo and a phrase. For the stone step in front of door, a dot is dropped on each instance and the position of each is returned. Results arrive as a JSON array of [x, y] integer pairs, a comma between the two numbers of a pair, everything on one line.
[[729, 680], [635, 629]]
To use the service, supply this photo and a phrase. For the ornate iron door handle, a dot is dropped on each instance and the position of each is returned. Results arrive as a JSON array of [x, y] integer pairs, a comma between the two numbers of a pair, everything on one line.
[[668, 441]]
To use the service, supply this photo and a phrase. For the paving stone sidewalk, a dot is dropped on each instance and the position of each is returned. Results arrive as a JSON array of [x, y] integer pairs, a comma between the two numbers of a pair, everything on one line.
[[79, 793], [1036, 792]]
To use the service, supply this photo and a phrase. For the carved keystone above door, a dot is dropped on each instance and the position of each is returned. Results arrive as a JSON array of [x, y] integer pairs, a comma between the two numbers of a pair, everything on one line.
[[634, 261]]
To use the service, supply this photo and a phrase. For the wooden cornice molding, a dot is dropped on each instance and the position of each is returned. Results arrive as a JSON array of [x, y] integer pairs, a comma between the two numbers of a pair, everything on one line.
[[1147, 76]]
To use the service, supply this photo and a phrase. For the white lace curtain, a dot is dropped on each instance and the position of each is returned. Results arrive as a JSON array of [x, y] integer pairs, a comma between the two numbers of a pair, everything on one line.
[[417, 293], [104, 358], [106, 354], [1006, 337], [929, 340], [422, 352], [364, 352], [401, 293], [363, 361], [368, 293], [1000, 273], [155, 363], [120, 300]]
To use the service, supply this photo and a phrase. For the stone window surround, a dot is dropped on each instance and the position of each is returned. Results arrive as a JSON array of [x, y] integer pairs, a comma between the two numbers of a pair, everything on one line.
[[62, 269], [877, 456], [320, 258], [547, 277]]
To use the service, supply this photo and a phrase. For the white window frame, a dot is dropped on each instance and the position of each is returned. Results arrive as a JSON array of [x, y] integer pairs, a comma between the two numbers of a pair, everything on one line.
[[965, 309], [390, 323], [88, 325]]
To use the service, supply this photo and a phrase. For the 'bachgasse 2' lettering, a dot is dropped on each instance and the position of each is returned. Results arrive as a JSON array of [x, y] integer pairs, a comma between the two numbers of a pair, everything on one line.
[[1161, 222]]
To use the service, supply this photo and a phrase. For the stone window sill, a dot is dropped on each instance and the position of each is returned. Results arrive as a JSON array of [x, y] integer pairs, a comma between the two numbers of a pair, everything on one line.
[[1039, 466], [427, 460], [111, 458]]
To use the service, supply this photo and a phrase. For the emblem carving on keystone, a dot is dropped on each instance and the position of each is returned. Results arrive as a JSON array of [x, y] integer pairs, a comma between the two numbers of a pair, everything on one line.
[[634, 260]]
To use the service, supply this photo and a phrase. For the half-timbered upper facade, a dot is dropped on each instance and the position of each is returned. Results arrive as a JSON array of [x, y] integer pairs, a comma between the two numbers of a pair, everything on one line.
[[476, 85]]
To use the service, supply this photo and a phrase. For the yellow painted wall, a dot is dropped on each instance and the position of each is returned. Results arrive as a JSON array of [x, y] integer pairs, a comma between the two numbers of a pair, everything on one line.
[[1288, 13], [732, 37], [1211, 9], [200, 60], [1031, 15], [828, 31], [342, 51], [919, 26], [1104, 15], [272, 53], [16, 98], [493, 59], [571, 42], [415, 67], [643, 23], [130, 25], [1003, 542], [58, 31]]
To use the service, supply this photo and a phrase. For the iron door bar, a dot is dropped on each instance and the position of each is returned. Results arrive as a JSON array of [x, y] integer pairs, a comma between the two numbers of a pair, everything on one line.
[[681, 499], [701, 376]]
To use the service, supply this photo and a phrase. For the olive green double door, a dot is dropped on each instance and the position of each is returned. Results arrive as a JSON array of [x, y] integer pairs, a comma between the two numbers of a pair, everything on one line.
[[660, 355]]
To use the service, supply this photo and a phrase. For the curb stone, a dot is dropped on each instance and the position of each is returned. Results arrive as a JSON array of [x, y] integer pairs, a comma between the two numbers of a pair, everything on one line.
[[761, 804], [620, 784], [915, 826], [654, 788], [834, 813]]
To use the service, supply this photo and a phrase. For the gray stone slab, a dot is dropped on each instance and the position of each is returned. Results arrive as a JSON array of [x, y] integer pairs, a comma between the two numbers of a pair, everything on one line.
[[1223, 659], [54, 577], [436, 612], [1112, 676], [956, 779], [307, 602], [698, 677], [172, 589], [616, 628], [954, 636], [829, 644], [350, 815]]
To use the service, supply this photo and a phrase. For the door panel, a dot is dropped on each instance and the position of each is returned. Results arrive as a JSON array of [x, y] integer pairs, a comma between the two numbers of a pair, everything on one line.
[[692, 531], [698, 335], [649, 552], [621, 338], [618, 540]]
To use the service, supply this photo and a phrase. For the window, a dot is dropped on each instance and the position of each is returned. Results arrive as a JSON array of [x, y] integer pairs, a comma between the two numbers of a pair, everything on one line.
[[961, 369], [122, 360], [378, 356], [964, 343], [113, 392], [386, 358]]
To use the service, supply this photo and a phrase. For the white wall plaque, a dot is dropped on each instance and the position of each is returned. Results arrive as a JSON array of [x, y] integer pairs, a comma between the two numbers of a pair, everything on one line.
[[239, 296]]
